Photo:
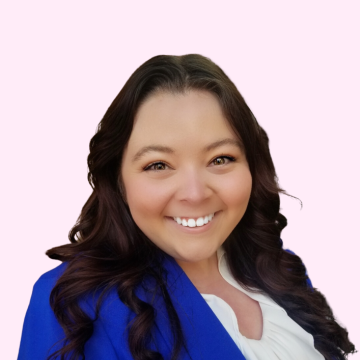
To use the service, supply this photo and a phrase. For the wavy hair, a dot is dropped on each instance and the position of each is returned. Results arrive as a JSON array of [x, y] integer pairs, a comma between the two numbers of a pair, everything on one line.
[[107, 250]]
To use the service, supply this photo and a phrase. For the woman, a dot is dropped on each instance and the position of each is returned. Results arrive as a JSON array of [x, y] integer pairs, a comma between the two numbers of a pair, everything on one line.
[[177, 252]]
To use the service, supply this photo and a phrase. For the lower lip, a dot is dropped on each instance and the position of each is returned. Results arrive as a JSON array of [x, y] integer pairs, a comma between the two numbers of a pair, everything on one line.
[[193, 230]]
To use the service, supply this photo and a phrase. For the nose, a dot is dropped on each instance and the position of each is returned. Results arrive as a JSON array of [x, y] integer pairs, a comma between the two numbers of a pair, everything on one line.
[[193, 187]]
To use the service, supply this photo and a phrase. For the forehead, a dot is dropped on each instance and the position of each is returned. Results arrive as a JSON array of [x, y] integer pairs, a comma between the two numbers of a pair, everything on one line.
[[186, 118], [188, 103]]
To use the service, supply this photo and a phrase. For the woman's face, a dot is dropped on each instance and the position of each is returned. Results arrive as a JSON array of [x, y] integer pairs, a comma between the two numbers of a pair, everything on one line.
[[183, 161]]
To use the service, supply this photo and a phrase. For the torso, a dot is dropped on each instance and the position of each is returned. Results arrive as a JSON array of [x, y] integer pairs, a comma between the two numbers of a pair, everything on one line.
[[247, 310]]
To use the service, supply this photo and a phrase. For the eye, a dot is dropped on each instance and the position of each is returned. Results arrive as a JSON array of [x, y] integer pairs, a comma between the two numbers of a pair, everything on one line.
[[222, 160], [157, 166]]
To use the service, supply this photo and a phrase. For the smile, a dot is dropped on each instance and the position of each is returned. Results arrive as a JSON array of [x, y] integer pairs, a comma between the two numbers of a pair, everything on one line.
[[194, 222]]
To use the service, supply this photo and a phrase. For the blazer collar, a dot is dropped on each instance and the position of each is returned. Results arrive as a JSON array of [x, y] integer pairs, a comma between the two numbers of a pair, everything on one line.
[[205, 335]]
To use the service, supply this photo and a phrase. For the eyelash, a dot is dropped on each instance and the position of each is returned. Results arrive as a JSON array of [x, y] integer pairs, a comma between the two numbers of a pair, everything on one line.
[[148, 167]]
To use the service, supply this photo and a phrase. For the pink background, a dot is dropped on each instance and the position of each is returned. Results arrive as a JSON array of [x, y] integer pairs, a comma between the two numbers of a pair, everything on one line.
[[296, 64]]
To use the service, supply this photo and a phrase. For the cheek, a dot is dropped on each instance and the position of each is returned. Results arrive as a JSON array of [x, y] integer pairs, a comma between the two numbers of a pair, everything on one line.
[[146, 199], [236, 191]]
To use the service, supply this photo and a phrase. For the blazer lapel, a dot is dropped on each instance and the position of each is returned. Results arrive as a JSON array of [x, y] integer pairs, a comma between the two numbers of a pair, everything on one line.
[[206, 338]]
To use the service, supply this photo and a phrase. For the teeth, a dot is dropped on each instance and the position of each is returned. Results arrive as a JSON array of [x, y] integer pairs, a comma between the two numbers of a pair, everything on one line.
[[194, 223], [200, 222]]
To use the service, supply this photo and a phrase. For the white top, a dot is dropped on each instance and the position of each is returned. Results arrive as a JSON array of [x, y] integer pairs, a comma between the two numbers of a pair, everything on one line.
[[282, 337]]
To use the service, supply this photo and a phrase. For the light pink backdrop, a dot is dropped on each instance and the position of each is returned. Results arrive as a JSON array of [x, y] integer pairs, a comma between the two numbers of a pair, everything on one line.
[[296, 64]]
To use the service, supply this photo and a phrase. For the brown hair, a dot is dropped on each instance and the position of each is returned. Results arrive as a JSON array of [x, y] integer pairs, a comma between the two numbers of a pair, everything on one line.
[[109, 251]]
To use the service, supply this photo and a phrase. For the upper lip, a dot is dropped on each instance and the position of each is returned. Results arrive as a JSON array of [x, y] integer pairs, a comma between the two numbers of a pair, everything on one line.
[[194, 217]]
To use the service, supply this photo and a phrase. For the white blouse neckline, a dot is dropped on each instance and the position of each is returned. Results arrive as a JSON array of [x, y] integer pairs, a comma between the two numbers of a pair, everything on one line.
[[282, 338]]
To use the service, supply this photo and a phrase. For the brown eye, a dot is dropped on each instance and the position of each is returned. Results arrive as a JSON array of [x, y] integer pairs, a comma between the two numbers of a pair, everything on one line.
[[219, 161], [158, 166], [222, 160]]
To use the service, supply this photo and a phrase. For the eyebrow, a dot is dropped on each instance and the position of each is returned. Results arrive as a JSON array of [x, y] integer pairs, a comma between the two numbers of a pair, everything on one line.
[[168, 150]]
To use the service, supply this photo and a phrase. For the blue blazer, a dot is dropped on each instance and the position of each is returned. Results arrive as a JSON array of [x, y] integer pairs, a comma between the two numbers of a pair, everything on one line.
[[206, 338]]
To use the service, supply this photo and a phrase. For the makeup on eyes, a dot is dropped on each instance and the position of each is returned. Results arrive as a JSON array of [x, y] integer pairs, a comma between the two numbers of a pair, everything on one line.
[[227, 157]]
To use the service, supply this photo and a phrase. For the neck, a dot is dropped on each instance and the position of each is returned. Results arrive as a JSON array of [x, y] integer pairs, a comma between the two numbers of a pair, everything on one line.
[[203, 274]]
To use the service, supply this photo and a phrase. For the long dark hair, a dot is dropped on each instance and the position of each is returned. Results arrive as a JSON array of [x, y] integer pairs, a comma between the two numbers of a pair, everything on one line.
[[108, 250]]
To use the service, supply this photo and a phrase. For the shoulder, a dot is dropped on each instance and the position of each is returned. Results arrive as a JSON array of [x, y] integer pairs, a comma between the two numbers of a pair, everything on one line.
[[54, 273], [42, 334], [41, 329], [308, 281], [43, 286], [47, 281]]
